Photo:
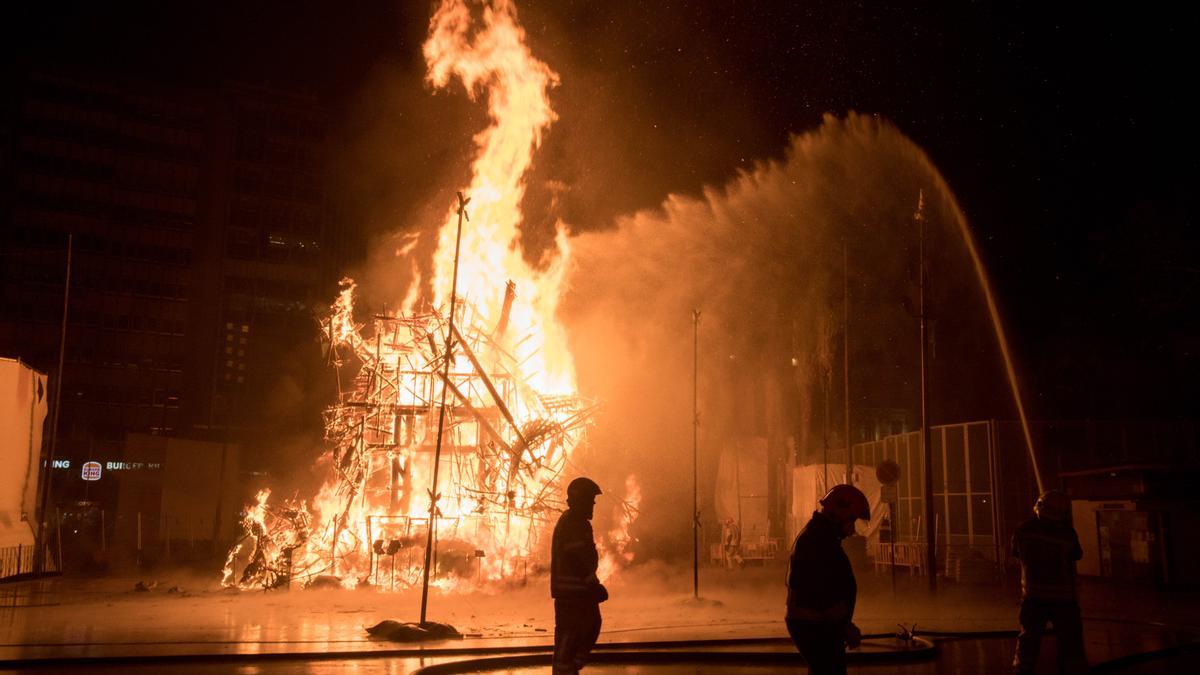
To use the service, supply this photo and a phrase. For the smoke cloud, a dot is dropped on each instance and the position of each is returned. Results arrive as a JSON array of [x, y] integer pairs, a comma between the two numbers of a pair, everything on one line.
[[762, 259]]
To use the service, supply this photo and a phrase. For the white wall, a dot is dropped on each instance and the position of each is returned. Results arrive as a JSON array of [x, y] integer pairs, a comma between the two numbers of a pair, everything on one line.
[[23, 408]]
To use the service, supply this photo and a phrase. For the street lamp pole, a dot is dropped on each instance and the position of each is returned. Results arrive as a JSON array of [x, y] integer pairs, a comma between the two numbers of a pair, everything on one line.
[[926, 436], [40, 556], [695, 453], [846, 362]]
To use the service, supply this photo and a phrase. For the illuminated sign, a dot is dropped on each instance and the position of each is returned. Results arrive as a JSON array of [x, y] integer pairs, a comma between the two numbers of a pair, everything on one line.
[[109, 465], [91, 471], [132, 466]]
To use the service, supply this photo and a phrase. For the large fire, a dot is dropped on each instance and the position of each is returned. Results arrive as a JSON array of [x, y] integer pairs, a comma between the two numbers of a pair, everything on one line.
[[513, 419]]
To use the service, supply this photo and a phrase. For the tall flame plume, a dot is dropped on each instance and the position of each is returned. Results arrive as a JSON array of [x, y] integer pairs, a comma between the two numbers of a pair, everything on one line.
[[492, 60], [514, 419]]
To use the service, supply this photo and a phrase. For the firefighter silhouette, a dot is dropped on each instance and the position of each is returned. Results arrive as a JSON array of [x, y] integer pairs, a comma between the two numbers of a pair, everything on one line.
[[821, 586], [1047, 548], [576, 591]]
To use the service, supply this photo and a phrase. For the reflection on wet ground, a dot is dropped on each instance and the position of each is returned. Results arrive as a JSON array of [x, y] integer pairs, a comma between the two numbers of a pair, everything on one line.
[[322, 631], [986, 656], [983, 655]]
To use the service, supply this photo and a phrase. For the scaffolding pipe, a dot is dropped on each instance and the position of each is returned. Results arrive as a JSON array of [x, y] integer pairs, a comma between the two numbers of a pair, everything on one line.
[[487, 382]]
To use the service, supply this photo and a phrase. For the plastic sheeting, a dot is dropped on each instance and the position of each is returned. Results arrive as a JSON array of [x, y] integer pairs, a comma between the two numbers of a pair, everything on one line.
[[741, 487], [23, 408], [809, 485]]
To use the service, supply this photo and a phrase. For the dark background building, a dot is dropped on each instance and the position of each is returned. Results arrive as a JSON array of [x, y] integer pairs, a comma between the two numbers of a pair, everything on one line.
[[201, 250], [1054, 126]]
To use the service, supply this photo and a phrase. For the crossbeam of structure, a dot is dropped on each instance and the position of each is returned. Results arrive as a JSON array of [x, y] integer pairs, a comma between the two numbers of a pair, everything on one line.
[[465, 402], [487, 382], [377, 438]]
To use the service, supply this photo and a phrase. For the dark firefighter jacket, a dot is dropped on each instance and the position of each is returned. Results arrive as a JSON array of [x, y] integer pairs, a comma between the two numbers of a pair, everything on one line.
[[821, 585], [573, 559], [1047, 551]]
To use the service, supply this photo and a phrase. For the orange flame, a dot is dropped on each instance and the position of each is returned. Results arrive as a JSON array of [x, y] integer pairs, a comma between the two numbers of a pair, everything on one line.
[[617, 553], [516, 419], [492, 59]]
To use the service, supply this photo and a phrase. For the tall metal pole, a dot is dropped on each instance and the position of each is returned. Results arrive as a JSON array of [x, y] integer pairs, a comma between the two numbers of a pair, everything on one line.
[[49, 466], [826, 376], [926, 443], [695, 453], [846, 361], [437, 453]]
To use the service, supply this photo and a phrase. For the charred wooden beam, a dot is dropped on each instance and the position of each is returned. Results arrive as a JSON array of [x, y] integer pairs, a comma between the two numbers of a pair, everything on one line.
[[510, 294], [465, 402], [487, 382]]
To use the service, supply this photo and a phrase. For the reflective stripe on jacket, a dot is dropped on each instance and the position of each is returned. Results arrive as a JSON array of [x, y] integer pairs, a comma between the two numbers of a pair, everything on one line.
[[573, 558]]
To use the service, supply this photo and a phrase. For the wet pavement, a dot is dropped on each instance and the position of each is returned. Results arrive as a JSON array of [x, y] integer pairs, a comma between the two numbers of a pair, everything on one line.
[[193, 626]]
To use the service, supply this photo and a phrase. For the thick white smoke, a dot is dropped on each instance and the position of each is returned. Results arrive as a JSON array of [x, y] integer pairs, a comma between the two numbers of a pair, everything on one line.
[[761, 258]]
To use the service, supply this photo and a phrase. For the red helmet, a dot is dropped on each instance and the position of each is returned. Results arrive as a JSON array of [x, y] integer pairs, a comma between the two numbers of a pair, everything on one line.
[[848, 497]]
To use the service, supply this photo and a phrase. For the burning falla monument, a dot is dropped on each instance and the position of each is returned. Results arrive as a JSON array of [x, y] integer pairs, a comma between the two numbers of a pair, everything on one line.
[[505, 447], [484, 338]]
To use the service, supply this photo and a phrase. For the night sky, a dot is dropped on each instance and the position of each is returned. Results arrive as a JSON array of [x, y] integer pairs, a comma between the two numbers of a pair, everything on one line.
[[1063, 128]]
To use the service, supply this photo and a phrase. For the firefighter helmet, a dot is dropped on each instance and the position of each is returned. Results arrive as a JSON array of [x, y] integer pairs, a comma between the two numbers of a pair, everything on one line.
[[582, 488], [1053, 505], [848, 497]]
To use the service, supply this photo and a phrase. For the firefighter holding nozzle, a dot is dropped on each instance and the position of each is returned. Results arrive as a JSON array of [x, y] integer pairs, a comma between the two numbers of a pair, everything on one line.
[[821, 585], [576, 591], [1048, 547]]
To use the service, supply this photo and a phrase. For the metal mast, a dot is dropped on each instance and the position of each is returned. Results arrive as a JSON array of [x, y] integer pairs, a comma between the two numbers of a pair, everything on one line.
[[40, 565], [437, 453], [695, 453]]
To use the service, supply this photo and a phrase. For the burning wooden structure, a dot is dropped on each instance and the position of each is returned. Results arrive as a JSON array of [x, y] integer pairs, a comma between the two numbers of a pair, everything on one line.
[[505, 447], [495, 353]]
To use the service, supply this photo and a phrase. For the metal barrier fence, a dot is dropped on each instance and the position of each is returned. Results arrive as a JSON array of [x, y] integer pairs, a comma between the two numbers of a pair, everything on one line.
[[966, 481], [20, 559]]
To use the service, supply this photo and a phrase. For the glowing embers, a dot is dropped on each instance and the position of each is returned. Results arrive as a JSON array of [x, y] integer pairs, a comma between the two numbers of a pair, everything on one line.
[[503, 451]]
